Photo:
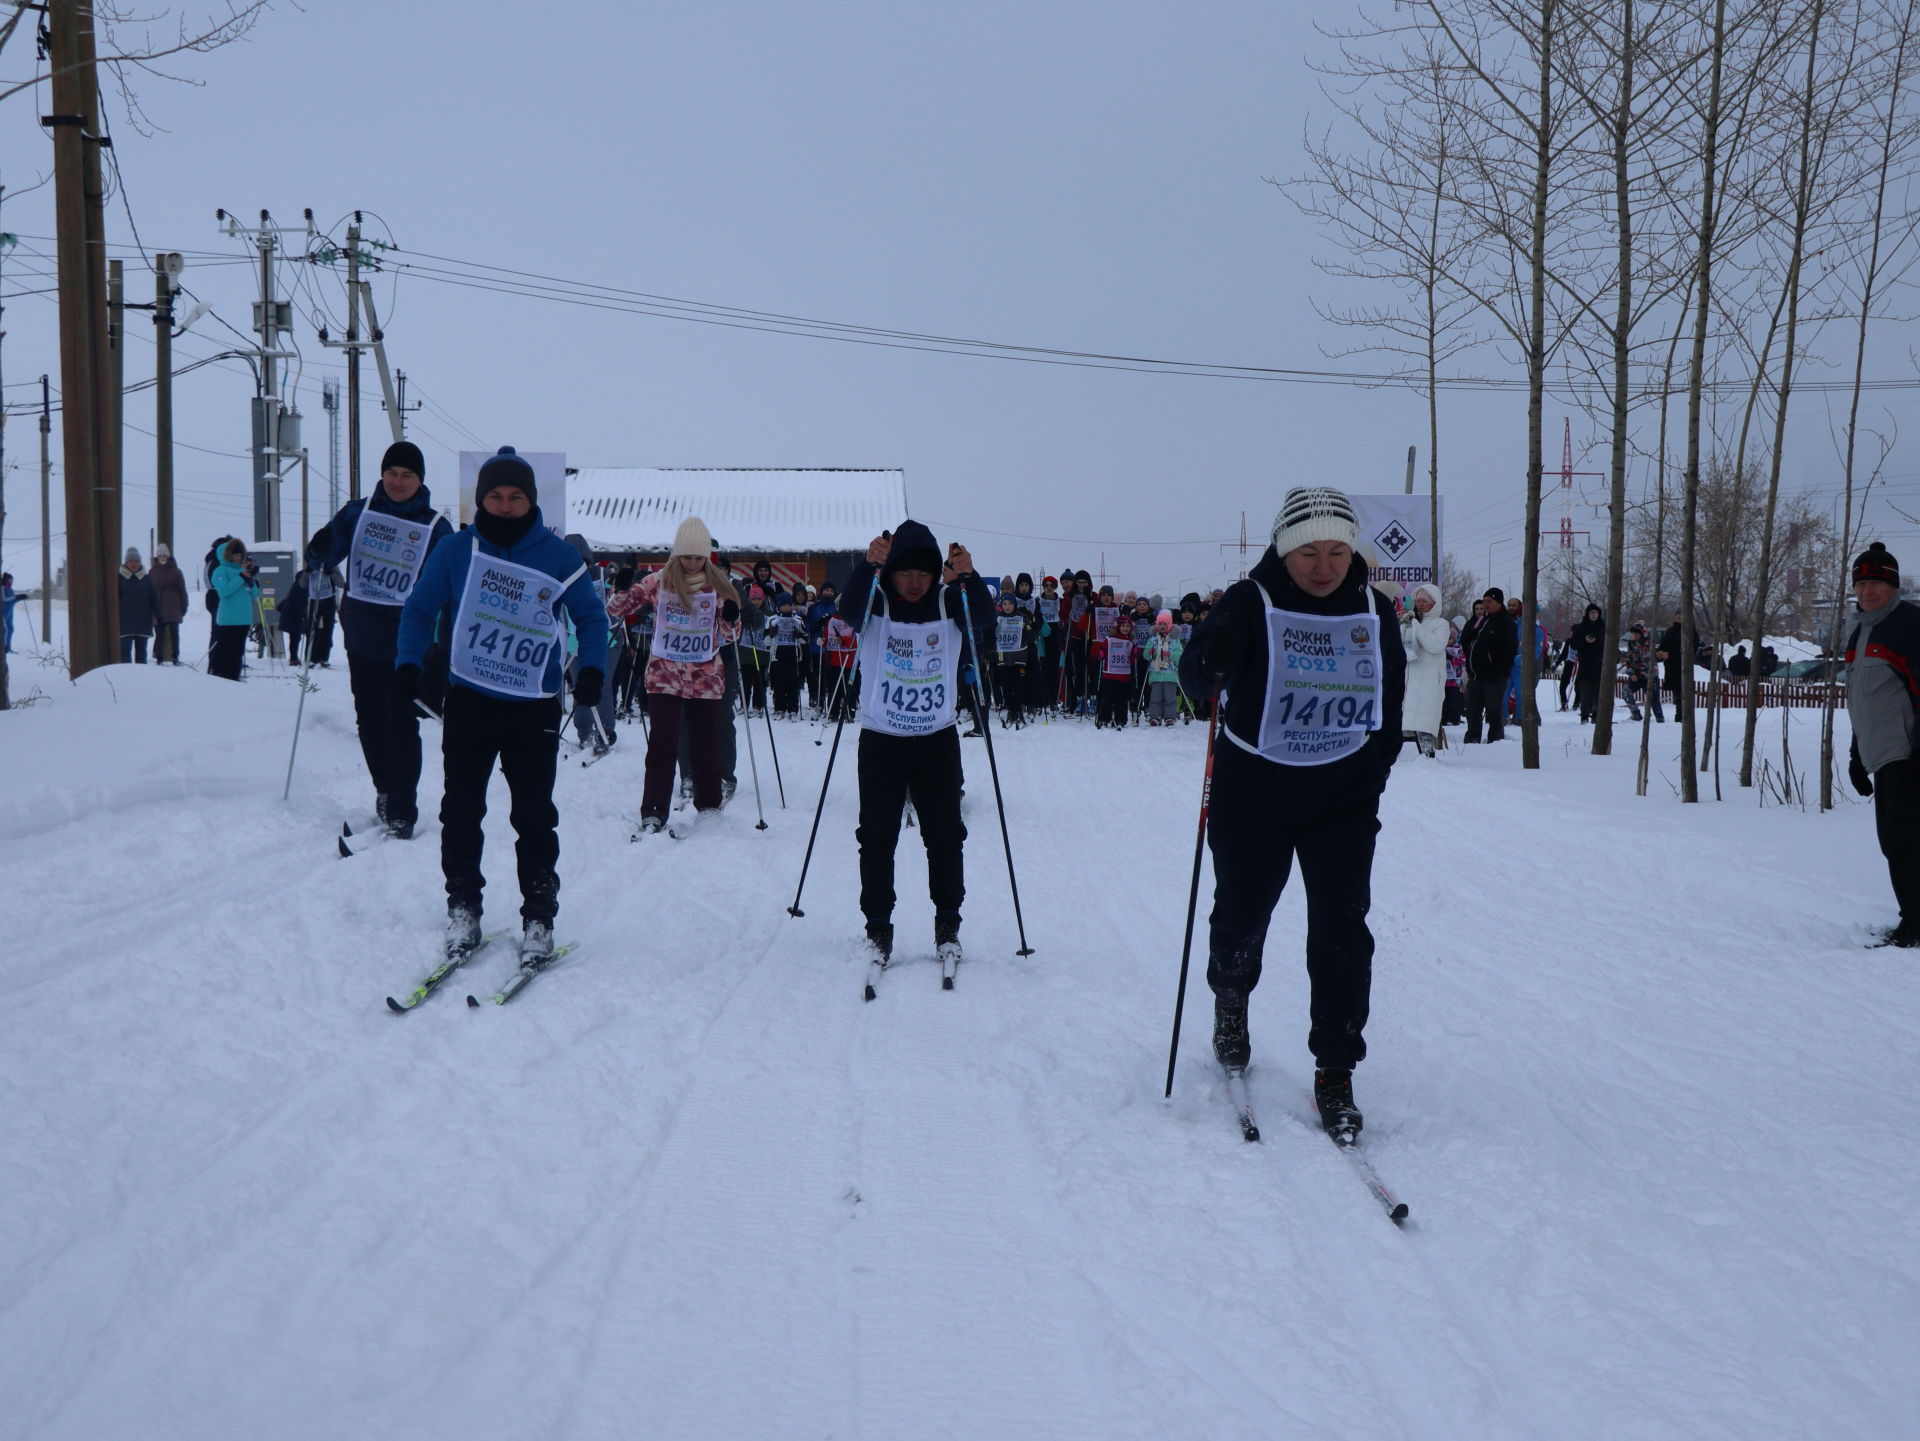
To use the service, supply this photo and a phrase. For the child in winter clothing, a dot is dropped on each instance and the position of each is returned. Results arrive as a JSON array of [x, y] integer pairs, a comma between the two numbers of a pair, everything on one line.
[[1114, 657], [1011, 660], [1162, 653], [841, 683], [756, 655], [506, 579], [787, 637]]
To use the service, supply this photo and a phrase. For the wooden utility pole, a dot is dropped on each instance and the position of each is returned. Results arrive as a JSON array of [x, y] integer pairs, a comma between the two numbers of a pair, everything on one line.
[[165, 267], [46, 515], [353, 358], [79, 209], [113, 435]]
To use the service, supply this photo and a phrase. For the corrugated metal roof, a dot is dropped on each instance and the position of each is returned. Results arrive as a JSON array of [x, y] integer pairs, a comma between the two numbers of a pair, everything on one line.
[[639, 508]]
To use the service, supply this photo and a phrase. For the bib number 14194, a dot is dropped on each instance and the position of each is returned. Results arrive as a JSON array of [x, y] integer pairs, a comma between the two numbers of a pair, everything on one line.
[[1312, 709]]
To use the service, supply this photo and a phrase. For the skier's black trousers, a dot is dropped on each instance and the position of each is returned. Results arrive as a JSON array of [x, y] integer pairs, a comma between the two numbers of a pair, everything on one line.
[[1896, 819], [1253, 855], [524, 736], [927, 771], [389, 734]]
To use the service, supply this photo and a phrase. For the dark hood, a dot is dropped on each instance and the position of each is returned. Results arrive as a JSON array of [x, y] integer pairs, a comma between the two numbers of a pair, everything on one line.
[[914, 548]]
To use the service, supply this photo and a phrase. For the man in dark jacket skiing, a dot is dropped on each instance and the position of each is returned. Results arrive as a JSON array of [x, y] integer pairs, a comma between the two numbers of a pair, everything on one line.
[[1308, 660], [1490, 644], [382, 541], [1883, 699], [907, 605]]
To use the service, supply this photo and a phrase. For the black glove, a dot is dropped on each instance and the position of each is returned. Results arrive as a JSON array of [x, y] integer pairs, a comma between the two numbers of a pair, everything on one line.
[[406, 684], [587, 687], [1857, 773], [1220, 653], [730, 611]]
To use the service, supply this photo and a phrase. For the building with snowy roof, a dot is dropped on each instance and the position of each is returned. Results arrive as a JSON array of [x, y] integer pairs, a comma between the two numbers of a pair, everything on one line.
[[810, 523]]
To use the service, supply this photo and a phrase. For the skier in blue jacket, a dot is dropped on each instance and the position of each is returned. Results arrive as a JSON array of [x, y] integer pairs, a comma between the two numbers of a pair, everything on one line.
[[505, 579]]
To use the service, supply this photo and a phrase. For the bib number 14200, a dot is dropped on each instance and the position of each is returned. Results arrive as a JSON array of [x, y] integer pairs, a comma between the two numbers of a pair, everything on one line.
[[520, 650]]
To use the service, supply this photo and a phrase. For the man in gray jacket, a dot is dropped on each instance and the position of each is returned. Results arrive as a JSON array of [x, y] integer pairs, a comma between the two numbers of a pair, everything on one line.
[[1883, 690]]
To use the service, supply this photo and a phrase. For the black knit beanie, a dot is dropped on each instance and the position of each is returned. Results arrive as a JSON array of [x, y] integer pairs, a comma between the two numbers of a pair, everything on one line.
[[1874, 563], [505, 468], [406, 455]]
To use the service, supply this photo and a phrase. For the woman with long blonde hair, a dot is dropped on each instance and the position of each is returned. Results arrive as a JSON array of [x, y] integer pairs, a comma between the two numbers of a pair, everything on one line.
[[696, 610]]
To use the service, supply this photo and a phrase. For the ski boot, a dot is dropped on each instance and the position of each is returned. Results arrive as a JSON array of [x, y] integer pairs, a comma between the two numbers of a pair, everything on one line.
[[946, 945], [536, 944], [463, 929], [1333, 1098], [1231, 1046], [877, 950], [651, 826]]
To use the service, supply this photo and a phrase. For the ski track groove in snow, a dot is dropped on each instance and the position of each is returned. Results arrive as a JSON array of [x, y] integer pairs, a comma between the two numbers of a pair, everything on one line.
[[689, 1184]]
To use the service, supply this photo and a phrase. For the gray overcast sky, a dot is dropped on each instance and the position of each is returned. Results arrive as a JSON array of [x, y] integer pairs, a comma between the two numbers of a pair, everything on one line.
[[1079, 175]]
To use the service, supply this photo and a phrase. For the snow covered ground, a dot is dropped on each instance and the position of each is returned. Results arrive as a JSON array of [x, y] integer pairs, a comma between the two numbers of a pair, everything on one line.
[[1653, 1105]]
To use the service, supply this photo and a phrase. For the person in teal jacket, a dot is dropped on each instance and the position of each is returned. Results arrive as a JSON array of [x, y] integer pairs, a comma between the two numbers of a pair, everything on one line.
[[502, 583], [234, 581]]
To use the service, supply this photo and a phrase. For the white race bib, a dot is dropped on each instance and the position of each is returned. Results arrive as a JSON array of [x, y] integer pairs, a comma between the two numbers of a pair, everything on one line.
[[322, 587], [684, 632], [909, 674], [1119, 663], [385, 558], [1007, 633], [507, 628], [840, 637], [1050, 609], [1323, 686], [1103, 618]]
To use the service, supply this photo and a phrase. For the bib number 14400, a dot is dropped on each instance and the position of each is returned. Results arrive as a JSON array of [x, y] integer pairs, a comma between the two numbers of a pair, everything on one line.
[[521, 650], [1331, 712], [919, 700]]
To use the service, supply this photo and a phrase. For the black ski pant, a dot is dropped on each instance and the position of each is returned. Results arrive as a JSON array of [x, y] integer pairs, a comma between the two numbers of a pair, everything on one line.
[[228, 652], [729, 728], [1011, 681], [702, 722], [1111, 707], [524, 737], [1253, 855], [785, 680], [927, 771], [1896, 820], [1586, 691], [389, 734], [1486, 698]]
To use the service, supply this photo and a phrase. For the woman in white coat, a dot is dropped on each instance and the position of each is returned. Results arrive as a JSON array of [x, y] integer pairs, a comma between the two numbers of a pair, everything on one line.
[[1423, 631]]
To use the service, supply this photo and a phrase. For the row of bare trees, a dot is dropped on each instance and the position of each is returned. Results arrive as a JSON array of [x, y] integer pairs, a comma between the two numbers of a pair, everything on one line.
[[1668, 211]]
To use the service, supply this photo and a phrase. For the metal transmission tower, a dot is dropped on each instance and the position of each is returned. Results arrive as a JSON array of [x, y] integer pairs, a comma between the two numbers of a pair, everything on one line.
[[276, 427]]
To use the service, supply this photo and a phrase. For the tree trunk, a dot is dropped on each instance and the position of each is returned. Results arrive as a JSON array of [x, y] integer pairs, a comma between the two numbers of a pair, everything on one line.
[[1621, 126]]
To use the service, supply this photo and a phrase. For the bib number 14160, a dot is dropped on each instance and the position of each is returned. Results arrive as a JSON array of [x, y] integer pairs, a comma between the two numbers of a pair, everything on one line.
[[521, 650]]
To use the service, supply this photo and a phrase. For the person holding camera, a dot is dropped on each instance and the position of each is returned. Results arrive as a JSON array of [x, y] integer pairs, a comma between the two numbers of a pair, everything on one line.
[[383, 542], [1307, 661], [235, 580], [1883, 707]]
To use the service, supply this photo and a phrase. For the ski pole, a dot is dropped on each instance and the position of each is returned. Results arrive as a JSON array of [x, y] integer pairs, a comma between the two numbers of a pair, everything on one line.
[[839, 689], [1193, 890], [299, 712], [772, 747], [838, 726], [966, 610], [752, 764]]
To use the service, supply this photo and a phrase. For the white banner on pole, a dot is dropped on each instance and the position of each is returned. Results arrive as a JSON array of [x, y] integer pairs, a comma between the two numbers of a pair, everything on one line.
[[549, 474], [1396, 538]]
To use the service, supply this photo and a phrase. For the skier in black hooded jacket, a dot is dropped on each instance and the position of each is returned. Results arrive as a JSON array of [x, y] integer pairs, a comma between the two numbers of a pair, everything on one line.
[[906, 604], [1590, 649], [1309, 661]]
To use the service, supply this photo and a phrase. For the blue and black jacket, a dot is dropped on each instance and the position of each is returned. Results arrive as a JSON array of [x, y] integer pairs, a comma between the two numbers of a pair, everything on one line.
[[373, 630]]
